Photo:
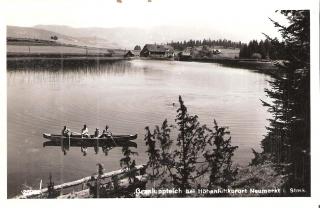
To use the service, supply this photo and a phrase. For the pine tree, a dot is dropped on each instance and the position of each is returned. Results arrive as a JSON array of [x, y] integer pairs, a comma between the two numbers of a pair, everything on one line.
[[127, 163], [219, 158], [197, 151], [137, 47], [262, 49], [288, 138]]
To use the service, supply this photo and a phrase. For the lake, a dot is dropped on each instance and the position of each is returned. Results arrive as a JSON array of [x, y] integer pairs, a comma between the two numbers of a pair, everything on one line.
[[128, 96]]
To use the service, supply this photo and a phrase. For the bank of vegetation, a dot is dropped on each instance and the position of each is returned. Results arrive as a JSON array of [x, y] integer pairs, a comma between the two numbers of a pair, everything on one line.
[[264, 49], [220, 43], [254, 55], [287, 142]]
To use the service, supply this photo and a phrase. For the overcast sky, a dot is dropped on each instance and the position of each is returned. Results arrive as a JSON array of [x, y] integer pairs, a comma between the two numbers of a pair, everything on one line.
[[238, 20]]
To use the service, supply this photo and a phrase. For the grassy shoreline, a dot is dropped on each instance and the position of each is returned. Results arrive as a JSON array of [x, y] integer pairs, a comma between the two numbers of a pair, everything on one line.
[[33, 49], [263, 66], [24, 51]]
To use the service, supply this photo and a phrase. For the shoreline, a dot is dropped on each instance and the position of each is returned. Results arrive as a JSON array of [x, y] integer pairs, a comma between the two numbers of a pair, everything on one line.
[[261, 66], [75, 58], [27, 51]]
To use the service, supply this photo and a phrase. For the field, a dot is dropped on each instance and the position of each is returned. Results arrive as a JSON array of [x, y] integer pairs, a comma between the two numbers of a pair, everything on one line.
[[228, 53], [23, 50], [24, 47]]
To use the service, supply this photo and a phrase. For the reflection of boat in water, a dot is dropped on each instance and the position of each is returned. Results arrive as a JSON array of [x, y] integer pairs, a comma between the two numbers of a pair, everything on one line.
[[106, 143]]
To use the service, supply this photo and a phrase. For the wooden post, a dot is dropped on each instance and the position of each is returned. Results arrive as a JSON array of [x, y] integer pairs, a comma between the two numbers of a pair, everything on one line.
[[115, 182]]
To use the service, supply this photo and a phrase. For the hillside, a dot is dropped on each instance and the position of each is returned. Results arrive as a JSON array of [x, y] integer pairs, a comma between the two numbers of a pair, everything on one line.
[[128, 37], [117, 37], [42, 34]]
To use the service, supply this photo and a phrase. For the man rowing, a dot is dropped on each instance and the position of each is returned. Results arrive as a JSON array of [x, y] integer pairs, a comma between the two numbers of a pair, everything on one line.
[[106, 132], [84, 131], [67, 133], [97, 133]]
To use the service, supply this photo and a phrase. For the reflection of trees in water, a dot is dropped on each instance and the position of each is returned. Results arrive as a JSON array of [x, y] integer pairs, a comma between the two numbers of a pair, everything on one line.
[[68, 70], [68, 65]]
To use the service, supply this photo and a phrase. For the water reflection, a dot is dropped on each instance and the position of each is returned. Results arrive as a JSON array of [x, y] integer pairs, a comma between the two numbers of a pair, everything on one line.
[[53, 72], [128, 96], [105, 146], [57, 65]]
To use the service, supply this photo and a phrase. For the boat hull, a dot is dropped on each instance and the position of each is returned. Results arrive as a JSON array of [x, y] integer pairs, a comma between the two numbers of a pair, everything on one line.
[[92, 143], [90, 139]]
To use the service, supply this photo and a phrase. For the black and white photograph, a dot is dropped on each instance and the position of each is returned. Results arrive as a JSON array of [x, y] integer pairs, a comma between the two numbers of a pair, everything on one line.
[[159, 99]]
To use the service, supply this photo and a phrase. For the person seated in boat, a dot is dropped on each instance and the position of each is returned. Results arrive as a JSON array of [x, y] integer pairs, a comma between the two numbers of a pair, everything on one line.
[[106, 132], [91, 185], [84, 131], [66, 132], [97, 133]]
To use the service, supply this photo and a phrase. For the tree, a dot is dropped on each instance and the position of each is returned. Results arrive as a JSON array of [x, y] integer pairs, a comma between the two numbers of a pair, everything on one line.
[[256, 56], [159, 156], [268, 49], [221, 171], [137, 47], [208, 42], [244, 53], [262, 49], [288, 137], [54, 37], [198, 152], [127, 163]]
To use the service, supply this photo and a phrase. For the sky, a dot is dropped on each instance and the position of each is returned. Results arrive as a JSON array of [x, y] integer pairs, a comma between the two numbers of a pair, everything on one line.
[[237, 20]]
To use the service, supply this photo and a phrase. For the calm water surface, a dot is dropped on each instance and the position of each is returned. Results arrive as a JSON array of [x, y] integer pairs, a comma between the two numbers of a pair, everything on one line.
[[127, 96]]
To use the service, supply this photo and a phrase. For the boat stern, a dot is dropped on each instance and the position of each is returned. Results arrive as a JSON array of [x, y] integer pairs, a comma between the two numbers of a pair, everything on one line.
[[47, 136]]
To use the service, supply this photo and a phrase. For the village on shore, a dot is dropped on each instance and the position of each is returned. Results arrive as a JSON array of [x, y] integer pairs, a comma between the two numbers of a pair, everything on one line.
[[26, 49]]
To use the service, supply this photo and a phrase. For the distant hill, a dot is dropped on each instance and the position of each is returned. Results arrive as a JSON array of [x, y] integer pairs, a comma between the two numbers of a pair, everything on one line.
[[117, 37], [128, 37], [124, 37], [43, 34]]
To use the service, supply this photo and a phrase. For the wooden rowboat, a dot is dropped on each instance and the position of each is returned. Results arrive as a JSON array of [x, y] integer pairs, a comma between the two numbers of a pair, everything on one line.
[[91, 139], [76, 140], [92, 143]]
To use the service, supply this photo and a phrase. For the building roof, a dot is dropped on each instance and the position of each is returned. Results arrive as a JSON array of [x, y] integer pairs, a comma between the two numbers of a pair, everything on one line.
[[187, 51], [134, 52], [158, 48]]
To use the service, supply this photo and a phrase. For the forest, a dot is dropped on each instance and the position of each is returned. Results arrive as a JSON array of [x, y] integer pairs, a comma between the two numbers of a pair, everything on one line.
[[181, 45]]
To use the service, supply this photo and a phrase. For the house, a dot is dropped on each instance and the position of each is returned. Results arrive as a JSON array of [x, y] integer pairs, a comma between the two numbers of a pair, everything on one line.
[[157, 51], [186, 54], [132, 53], [216, 51]]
